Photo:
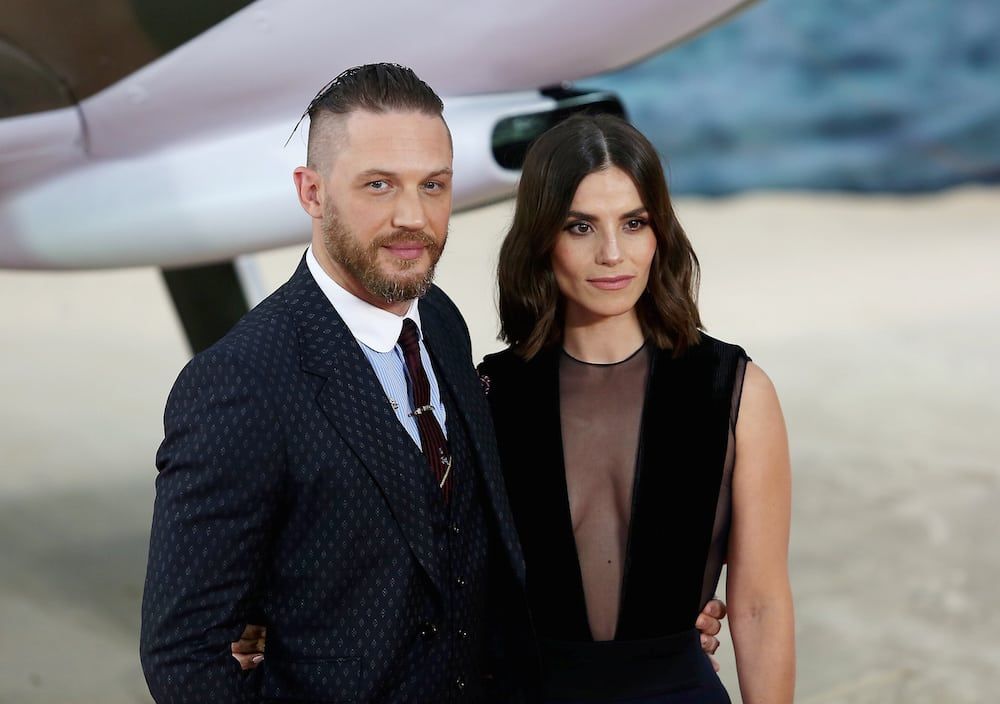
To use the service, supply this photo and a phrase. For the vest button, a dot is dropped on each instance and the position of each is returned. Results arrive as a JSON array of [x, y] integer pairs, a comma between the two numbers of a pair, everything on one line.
[[464, 635], [460, 582], [455, 529], [428, 630], [460, 684]]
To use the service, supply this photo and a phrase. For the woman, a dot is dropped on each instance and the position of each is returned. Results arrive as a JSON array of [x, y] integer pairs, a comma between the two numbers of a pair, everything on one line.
[[639, 453]]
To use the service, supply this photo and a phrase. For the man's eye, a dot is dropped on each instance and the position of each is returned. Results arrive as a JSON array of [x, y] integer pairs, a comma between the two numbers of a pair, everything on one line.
[[433, 186], [378, 185]]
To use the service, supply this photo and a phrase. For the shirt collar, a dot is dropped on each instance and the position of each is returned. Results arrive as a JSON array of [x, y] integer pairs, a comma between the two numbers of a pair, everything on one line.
[[371, 326]]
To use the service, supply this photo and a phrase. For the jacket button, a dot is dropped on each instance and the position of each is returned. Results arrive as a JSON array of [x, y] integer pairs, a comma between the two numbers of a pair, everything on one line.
[[464, 635], [460, 582], [455, 529], [460, 684], [428, 630]]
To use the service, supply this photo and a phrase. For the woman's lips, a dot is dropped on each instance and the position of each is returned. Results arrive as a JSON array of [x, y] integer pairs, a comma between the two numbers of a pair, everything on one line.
[[611, 283]]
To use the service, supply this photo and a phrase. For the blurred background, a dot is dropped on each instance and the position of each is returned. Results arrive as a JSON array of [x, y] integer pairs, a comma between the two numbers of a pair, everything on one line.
[[836, 165], [855, 95]]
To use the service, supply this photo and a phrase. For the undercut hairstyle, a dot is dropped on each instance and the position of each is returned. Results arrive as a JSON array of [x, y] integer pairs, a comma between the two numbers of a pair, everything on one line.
[[376, 88], [531, 306]]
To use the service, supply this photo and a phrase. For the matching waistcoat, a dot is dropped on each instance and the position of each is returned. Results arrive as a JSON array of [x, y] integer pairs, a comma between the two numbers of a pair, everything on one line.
[[451, 661]]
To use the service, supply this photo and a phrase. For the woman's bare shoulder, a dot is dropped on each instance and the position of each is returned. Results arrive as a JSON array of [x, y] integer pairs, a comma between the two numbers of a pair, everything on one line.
[[760, 411]]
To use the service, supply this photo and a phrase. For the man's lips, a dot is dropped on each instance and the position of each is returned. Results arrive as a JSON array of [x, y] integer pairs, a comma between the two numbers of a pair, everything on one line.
[[611, 283], [406, 250]]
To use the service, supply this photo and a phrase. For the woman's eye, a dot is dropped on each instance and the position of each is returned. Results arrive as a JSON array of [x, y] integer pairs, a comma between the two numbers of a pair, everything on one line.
[[578, 228], [635, 224]]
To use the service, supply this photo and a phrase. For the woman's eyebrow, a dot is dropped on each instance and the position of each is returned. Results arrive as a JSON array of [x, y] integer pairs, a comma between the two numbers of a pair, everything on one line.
[[586, 216], [634, 212]]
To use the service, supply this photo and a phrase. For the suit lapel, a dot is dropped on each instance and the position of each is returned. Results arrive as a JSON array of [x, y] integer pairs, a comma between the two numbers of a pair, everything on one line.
[[454, 368], [354, 402]]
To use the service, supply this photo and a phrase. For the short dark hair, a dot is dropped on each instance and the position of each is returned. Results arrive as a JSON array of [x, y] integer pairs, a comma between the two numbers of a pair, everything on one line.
[[376, 88], [531, 307]]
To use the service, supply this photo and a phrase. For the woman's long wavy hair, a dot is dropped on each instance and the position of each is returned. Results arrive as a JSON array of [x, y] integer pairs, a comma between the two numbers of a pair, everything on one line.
[[531, 306]]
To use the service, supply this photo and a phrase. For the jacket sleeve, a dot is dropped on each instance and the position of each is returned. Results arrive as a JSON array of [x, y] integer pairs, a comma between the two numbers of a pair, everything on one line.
[[220, 467]]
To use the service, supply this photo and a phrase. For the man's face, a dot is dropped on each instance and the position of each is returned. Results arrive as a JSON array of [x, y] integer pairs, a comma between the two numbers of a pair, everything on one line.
[[385, 205]]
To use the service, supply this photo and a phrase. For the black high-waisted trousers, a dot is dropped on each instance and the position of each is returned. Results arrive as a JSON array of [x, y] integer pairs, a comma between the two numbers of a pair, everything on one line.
[[668, 670]]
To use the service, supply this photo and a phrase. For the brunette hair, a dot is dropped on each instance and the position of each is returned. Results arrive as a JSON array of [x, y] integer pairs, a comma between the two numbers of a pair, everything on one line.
[[376, 88], [531, 307]]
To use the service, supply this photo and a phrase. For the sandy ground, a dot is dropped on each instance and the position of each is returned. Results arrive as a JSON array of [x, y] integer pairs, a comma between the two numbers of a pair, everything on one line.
[[877, 318]]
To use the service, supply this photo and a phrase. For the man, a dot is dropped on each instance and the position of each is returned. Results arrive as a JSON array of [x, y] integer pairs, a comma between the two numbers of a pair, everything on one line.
[[328, 468]]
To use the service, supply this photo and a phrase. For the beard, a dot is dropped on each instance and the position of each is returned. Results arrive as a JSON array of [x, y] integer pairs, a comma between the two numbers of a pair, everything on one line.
[[398, 284]]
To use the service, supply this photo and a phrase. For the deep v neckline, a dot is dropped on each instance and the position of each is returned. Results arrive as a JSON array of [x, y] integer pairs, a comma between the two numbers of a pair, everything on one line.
[[567, 518]]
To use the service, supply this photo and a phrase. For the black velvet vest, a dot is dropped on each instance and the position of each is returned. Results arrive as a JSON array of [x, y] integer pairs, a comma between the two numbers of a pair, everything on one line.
[[687, 425]]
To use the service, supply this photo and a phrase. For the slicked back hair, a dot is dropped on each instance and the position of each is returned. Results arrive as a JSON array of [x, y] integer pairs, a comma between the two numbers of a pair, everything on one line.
[[530, 303], [375, 88]]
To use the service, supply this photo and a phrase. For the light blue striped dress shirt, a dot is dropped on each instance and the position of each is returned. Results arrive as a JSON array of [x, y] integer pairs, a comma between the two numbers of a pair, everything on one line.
[[377, 331]]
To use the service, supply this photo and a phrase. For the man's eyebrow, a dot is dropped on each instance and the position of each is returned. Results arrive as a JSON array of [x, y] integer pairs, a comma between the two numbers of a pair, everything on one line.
[[586, 216], [370, 173]]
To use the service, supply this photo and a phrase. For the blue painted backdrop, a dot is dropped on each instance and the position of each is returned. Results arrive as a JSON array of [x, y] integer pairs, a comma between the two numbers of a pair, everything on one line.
[[861, 95]]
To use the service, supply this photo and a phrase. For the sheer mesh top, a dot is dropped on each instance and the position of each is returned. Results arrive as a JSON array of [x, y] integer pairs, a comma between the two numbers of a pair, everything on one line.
[[601, 409], [619, 478]]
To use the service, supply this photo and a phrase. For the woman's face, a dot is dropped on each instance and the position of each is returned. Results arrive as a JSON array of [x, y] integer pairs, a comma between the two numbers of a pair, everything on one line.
[[604, 251]]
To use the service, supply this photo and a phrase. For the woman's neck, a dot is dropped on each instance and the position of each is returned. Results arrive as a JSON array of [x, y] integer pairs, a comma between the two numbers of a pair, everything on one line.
[[603, 340]]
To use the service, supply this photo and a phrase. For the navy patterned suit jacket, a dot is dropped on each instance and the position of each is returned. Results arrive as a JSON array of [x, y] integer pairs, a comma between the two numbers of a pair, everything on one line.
[[280, 481]]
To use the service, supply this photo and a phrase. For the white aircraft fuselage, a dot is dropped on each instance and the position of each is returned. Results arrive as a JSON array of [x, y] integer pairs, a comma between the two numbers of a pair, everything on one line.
[[181, 162]]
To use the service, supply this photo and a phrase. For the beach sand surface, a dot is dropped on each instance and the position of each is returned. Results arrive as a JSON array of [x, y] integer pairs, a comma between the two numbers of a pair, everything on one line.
[[878, 319]]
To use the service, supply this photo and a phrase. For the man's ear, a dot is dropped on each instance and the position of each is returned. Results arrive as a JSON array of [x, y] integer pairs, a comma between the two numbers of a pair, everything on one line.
[[309, 186]]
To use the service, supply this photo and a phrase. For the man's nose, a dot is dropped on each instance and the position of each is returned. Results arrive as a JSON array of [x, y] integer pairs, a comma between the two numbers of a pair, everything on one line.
[[409, 213], [609, 253]]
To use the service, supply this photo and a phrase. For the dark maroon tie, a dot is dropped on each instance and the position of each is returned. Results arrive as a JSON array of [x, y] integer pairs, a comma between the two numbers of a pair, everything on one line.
[[432, 439]]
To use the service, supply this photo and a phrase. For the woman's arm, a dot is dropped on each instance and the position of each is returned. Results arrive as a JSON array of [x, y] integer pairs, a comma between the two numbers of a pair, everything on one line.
[[757, 587]]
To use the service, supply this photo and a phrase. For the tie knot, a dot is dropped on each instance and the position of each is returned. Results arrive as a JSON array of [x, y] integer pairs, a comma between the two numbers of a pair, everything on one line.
[[409, 337]]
